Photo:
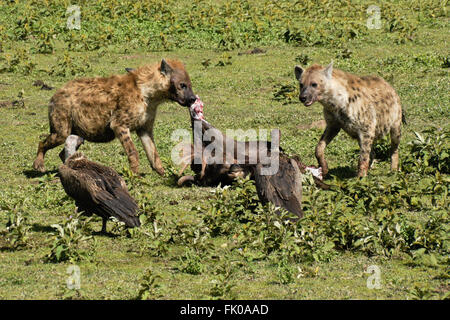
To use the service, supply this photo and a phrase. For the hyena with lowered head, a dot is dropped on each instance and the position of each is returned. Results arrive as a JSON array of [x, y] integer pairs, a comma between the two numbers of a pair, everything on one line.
[[101, 109], [367, 108]]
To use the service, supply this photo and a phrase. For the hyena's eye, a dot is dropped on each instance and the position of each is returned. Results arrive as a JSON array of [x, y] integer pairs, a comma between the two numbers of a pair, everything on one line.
[[183, 86], [314, 85]]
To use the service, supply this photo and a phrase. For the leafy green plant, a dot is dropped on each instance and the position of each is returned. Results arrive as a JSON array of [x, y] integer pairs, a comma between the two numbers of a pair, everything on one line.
[[286, 93], [230, 206], [429, 152], [420, 292], [18, 61], [303, 59], [285, 271], [445, 62], [223, 283], [44, 40], [191, 262], [165, 25], [149, 285], [433, 234], [69, 66], [17, 230], [158, 240], [68, 241], [193, 234], [225, 60]]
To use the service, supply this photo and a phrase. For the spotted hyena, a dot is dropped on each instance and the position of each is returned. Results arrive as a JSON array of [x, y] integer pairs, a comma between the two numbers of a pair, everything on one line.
[[101, 109], [367, 108]]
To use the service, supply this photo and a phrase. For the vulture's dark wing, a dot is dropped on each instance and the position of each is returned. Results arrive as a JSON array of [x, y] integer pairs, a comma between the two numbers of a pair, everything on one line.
[[99, 189], [284, 188]]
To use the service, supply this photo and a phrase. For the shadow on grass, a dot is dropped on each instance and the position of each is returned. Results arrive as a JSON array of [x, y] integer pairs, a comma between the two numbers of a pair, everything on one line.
[[105, 234], [36, 227], [342, 172], [31, 174], [5, 246]]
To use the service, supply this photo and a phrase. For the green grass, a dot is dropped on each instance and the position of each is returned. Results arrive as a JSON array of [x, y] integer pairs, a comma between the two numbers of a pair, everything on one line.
[[237, 95]]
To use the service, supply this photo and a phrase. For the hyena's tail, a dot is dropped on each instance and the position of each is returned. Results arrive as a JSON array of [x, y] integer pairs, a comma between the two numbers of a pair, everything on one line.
[[404, 117]]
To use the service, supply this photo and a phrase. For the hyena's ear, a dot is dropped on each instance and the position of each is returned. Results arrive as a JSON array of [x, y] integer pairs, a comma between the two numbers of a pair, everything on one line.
[[298, 72], [329, 70], [166, 69]]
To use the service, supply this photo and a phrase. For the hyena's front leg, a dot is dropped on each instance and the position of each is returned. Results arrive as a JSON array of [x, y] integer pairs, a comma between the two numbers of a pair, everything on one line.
[[123, 134], [365, 145], [328, 135], [146, 136]]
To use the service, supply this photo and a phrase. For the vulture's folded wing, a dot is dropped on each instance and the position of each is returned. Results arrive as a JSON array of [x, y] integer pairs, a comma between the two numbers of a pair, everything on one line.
[[283, 189], [121, 206], [100, 189]]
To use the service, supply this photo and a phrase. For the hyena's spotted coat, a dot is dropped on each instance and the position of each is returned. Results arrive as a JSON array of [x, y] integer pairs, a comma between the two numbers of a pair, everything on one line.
[[101, 109], [367, 108]]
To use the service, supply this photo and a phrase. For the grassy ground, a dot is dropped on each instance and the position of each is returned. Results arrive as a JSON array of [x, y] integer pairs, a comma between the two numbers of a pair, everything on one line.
[[239, 91]]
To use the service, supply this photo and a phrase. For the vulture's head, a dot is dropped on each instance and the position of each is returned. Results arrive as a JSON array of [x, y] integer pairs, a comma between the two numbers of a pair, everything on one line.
[[72, 144]]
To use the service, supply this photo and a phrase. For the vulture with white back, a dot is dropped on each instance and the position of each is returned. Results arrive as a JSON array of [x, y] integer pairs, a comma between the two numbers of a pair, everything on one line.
[[96, 189]]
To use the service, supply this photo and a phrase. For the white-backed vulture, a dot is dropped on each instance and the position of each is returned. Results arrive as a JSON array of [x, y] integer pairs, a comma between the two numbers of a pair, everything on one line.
[[96, 189]]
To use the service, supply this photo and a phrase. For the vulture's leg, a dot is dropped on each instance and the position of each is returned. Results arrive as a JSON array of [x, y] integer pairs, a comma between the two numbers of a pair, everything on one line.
[[104, 225], [62, 156]]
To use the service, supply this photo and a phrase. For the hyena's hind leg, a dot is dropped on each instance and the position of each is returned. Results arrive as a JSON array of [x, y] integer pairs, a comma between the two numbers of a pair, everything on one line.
[[53, 140], [396, 133], [60, 128]]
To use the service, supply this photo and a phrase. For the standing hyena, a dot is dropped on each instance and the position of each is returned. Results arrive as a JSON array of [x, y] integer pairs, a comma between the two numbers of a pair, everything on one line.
[[367, 108], [101, 109]]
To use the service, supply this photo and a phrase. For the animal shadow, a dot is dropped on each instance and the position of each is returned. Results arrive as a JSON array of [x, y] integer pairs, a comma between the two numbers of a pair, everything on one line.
[[31, 174], [346, 172], [36, 227], [105, 234]]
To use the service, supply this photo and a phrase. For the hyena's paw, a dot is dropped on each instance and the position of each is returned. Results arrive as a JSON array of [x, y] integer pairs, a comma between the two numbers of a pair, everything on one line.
[[38, 165], [160, 171], [324, 168], [135, 169], [362, 171], [158, 167], [362, 174], [394, 163]]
